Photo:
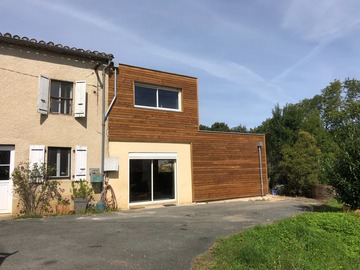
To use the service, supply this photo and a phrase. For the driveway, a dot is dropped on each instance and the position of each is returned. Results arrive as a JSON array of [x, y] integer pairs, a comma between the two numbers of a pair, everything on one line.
[[154, 238]]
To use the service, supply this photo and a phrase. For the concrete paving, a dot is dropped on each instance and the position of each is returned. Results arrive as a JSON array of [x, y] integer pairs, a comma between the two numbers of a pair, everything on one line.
[[154, 238]]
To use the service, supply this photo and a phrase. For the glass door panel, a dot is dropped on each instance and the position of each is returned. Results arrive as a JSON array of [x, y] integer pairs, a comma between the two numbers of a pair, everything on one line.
[[140, 180], [4, 165], [163, 179]]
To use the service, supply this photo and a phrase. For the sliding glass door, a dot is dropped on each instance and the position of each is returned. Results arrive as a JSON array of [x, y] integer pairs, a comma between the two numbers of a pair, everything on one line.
[[152, 180]]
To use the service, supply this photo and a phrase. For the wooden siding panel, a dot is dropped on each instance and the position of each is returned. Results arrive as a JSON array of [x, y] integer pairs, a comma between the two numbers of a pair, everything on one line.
[[128, 123], [225, 165]]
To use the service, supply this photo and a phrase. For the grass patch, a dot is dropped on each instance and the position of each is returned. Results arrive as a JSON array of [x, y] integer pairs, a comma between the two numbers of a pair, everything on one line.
[[329, 206], [327, 240]]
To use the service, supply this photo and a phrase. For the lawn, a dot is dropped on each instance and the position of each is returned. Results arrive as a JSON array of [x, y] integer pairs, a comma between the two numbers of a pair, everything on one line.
[[318, 240]]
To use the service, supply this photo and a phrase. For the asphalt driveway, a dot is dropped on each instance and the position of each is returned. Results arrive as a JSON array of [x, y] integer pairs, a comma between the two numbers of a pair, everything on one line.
[[157, 238]]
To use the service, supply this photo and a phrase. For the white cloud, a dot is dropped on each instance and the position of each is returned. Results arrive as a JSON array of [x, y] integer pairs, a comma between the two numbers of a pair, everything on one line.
[[245, 78], [78, 14], [321, 20]]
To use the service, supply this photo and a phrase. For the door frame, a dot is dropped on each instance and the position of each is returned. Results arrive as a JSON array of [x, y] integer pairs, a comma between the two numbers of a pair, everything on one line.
[[152, 156], [8, 183]]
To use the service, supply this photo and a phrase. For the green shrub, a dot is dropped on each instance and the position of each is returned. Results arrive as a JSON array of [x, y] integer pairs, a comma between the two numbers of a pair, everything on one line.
[[34, 189]]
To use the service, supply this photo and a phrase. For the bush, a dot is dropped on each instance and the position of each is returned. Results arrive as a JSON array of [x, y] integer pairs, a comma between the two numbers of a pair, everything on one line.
[[81, 189], [34, 189]]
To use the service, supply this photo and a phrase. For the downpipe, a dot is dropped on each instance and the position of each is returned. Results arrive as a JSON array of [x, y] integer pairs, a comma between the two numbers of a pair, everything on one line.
[[103, 122], [260, 145]]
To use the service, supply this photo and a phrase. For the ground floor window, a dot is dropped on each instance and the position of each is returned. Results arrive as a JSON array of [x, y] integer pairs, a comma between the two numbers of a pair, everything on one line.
[[152, 179], [59, 162]]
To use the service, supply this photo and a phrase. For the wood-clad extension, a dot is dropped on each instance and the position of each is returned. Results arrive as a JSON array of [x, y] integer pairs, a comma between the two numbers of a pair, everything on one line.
[[130, 124], [225, 165]]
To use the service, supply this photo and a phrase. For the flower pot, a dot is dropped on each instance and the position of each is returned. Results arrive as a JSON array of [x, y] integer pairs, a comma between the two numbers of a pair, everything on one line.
[[80, 205], [63, 209]]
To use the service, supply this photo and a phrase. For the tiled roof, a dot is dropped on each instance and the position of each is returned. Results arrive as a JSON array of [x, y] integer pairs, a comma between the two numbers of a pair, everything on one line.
[[50, 46]]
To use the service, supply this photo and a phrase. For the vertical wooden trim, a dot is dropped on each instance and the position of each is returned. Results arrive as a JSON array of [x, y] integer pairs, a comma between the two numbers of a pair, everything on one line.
[[192, 172]]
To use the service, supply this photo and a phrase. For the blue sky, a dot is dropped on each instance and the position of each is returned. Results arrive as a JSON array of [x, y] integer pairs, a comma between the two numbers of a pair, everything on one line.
[[248, 55]]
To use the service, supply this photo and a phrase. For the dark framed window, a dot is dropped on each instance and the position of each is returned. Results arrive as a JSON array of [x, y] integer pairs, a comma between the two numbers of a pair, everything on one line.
[[59, 160], [61, 96], [161, 98]]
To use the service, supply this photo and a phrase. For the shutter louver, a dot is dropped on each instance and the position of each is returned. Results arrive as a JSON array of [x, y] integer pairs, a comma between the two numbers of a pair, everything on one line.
[[80, 162], [43, 95], [80, 99], [37, 154]]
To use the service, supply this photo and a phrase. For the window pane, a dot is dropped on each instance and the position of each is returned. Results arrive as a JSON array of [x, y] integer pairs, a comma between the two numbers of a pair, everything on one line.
[[52, 153], [145, 96], [66, 90], [55, 89], [64, 162], [54, 105], [65, 106], [168, 99], [164, 179], [4, 157], [140, 180], [4, 172]]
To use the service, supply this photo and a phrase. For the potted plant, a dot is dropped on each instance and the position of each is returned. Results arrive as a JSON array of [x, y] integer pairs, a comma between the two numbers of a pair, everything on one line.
[[63, 206], [81, 195]]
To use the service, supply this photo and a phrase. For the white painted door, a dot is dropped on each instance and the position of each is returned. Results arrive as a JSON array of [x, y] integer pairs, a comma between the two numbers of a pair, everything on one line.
[[7, 155]]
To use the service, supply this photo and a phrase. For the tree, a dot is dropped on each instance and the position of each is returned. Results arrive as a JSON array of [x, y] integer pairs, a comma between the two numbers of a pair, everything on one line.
[[346, 132], [203, 127], [301, 165], [240, 128], [331, 103], [346, 169], [220, 126]]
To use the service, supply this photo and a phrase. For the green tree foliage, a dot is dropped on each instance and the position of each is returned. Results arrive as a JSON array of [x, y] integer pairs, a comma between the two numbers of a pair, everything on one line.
[[346, 169], [203, 127], [33, 188], [346, 132], [220, 126], [332, 119], [240, 128], [223, 127], [300, 164], [331, 103]]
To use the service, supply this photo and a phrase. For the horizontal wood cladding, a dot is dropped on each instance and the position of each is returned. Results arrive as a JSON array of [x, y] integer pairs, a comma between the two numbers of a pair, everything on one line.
[[226, 166], [128, 123]]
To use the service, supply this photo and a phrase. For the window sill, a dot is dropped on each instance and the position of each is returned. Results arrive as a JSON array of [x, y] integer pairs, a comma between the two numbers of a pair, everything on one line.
[[157, 109]]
